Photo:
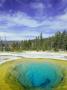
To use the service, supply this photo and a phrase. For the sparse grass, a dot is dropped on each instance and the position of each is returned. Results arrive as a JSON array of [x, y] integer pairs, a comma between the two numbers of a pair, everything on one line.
[[6, 84]]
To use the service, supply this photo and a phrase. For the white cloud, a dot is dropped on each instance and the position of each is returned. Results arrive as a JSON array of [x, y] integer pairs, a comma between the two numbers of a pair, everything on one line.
[[39, 9], [26, 35], [7, 23], [19, 19], [5, 34], [2, 2], [63, 17], [21, 36], [56, 23], [37, 5]]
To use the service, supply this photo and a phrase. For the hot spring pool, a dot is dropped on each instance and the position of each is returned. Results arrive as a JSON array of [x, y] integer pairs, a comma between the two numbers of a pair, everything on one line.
[[37, 75]]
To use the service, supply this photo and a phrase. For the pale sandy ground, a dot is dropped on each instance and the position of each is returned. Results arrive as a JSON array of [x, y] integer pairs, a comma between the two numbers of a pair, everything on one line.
[[7, 56]]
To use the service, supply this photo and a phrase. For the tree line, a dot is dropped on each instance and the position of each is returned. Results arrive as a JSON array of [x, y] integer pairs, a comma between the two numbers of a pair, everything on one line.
[[56, 43]]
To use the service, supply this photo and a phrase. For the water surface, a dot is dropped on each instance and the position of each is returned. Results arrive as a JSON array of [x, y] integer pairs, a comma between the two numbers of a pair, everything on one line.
[[37, 75]]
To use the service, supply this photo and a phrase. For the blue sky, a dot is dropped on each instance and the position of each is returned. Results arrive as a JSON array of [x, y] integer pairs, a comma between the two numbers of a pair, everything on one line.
[[26, 19]]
